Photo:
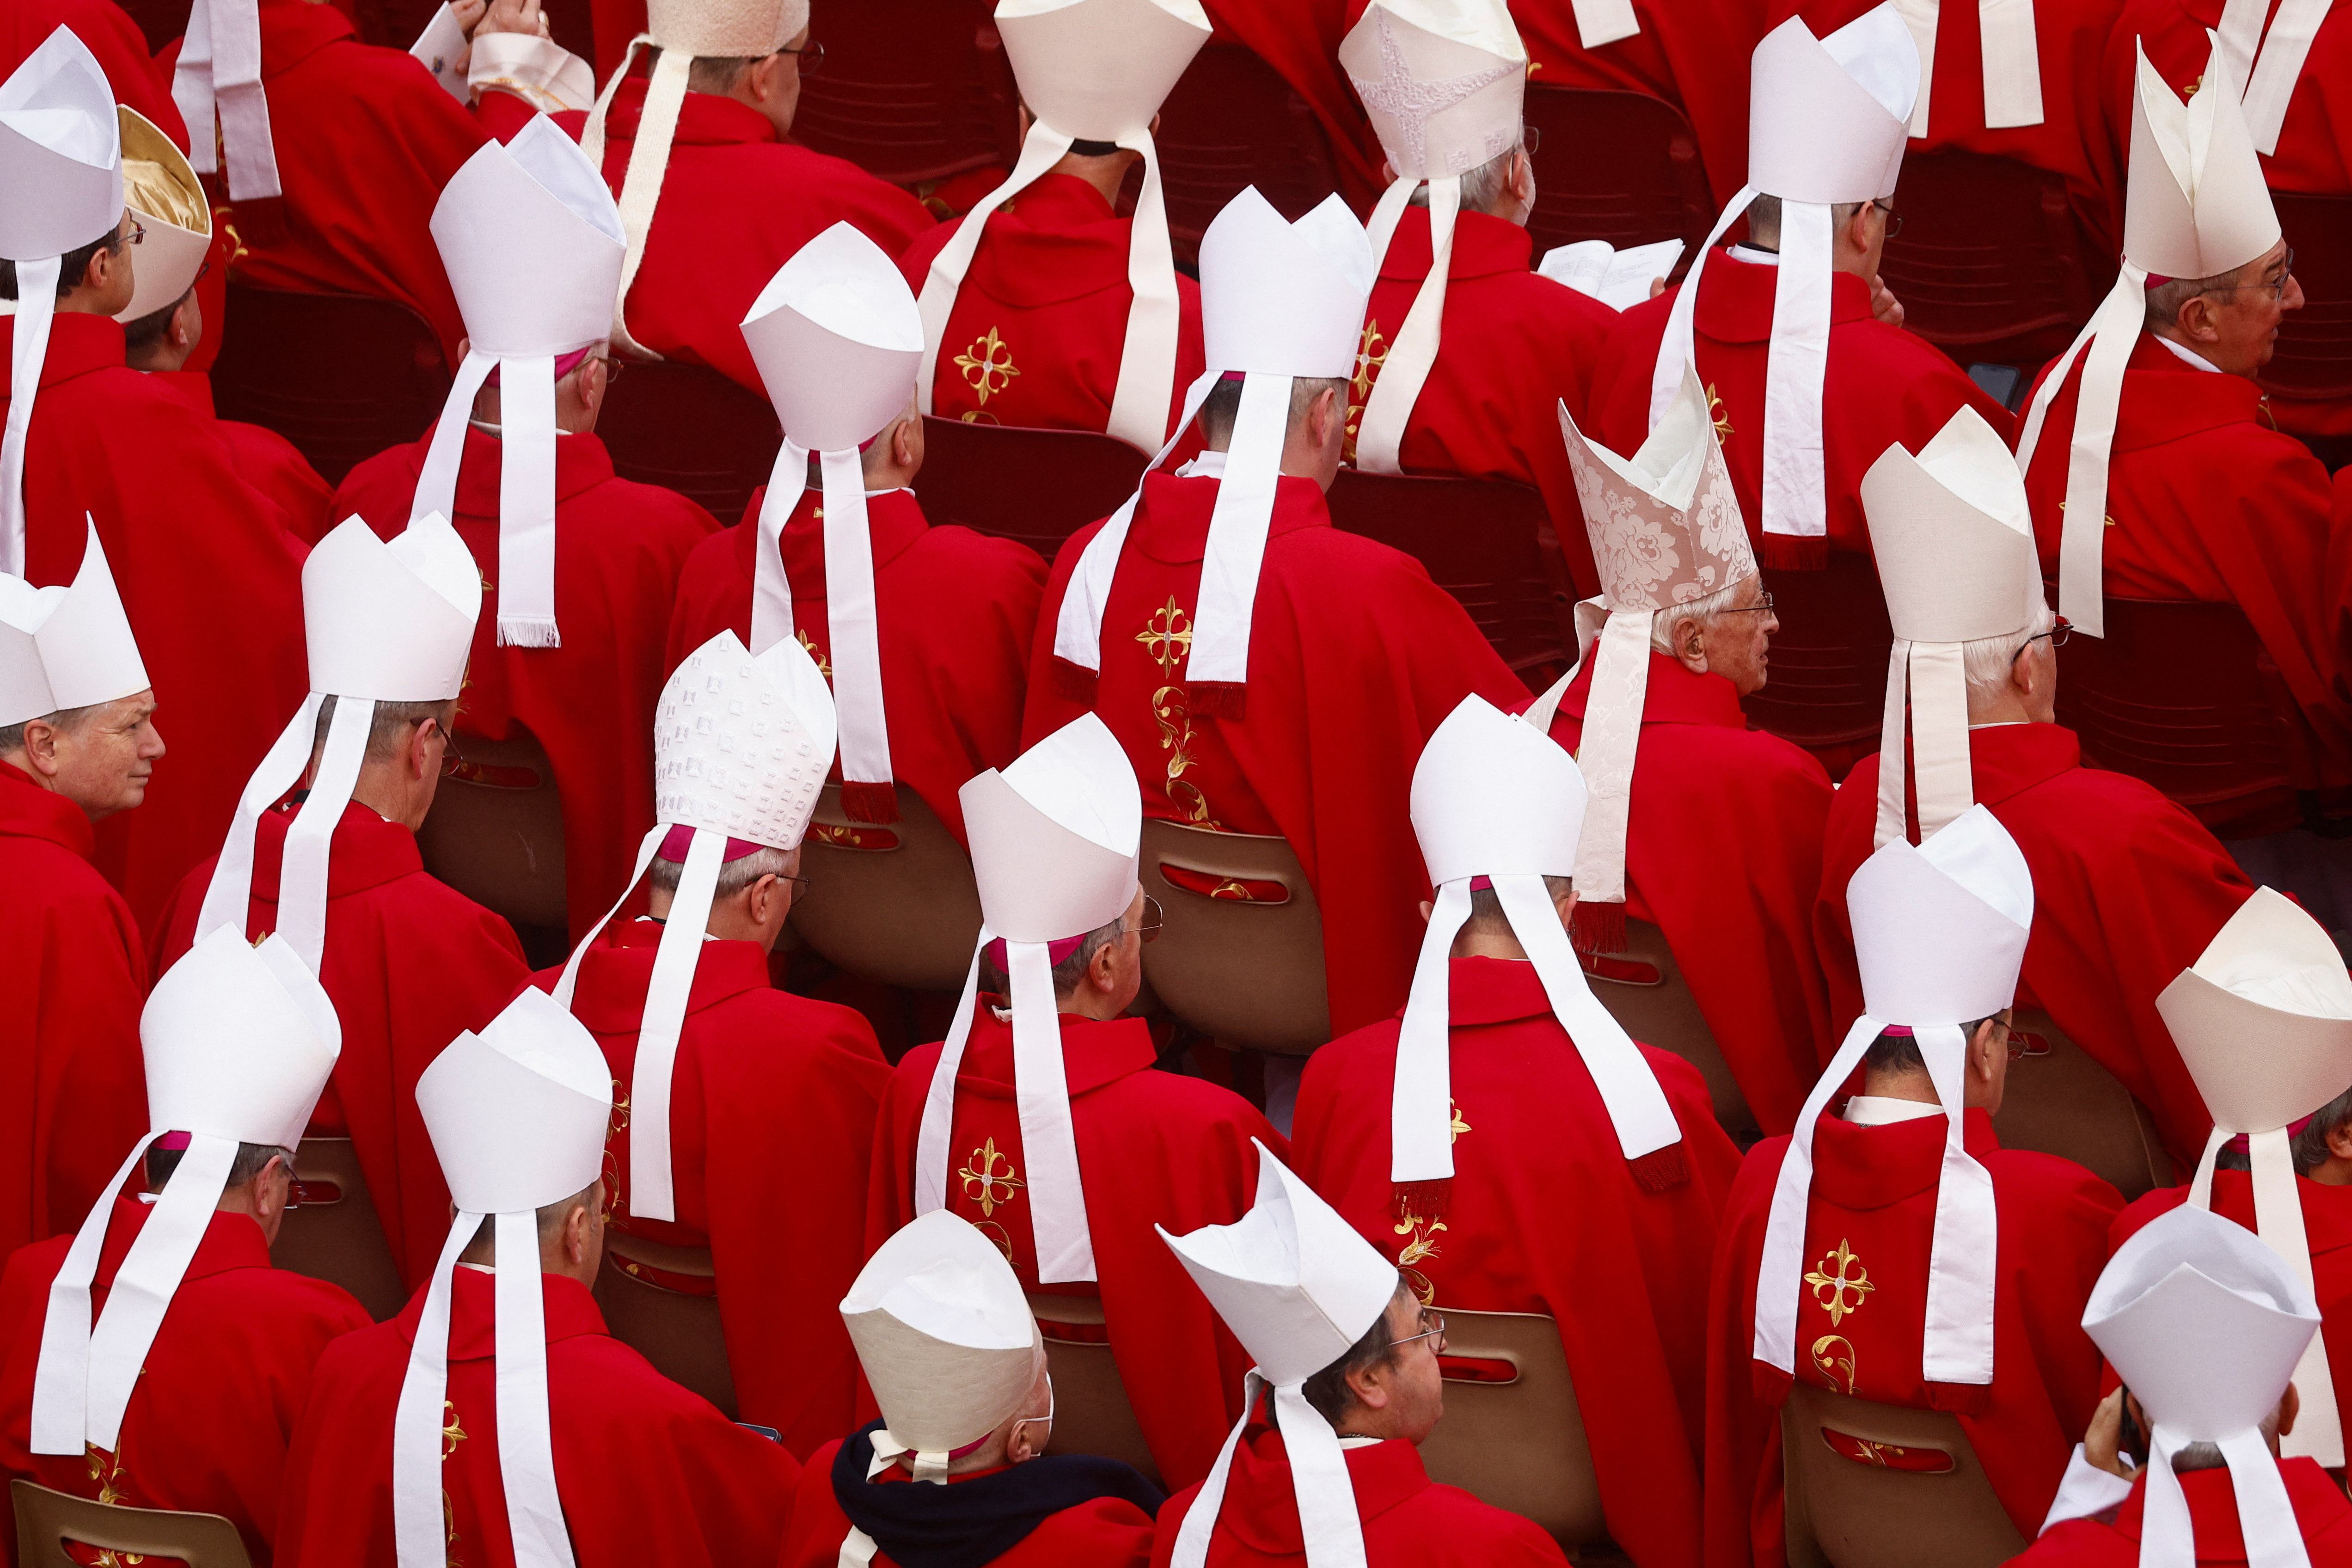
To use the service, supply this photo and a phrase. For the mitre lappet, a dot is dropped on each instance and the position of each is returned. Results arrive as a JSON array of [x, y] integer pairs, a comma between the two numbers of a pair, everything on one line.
[[64, 648], [1092, 73], [238, 1040], [218, 75], [61, 164], [1827, 121], [533, 245], [165, 197], [741, 746], [1279, 300], [383, 623], [1939, 935], [2269, 59], [837, 340], [2264, 1020], [2196, 206], [2009, 51], [1054, 842]]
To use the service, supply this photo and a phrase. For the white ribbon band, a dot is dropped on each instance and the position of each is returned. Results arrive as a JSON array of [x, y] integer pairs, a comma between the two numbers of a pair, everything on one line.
[[417, 1421], [1943, 780], [1239, 524], [1413, 351], [851, 621], [303, 868], [771, 588], [1328, 1526], [931, 1138], [1421, 1121], [2011, 56], [526, 583], [569, 981], [219, 69], [28, 351], [1613, 735], [1678, 347], [526, 1446], [1600, 22], [1796, 486], [61, 1374], [2265, 1516], [652, 1183], [228, 896], [1040, 151], [648, 163], [2270, 64], [2105, 346]]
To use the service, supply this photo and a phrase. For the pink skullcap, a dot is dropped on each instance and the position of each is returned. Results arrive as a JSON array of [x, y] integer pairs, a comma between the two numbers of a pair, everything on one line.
[[171, 1141], [564, 365], [2157, 280], [2238, 1145], [680, 838], [1055, 951], [1902, 1029], [1482, 884]]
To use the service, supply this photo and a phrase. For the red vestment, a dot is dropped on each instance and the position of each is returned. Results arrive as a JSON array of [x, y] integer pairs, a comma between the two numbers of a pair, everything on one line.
[[120, 47], [954, 613], [1514, 346], [2317, 1500], [758, 1070], [72, 959], [1355, 657], [736, 204], [2128, 889], [650, 1475], [1409, 1520], [219, 1393], [1040, 324], [1107, 1532], [1153, 1147], [263, 458], [209, 575], [1870, 1220], [410, 964], [1883, 385], [619, 548], [1529, 1128], [1723, 855], [2207, 504]]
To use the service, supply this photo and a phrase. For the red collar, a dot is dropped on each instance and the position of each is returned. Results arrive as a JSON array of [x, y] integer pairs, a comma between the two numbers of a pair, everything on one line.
[[2327, 1211], [2165, 399], [1056, 241], [2007, 760], [2318, 1502], [230, 1241], [1674, 695], [1093, 1053], [894, 521], [1484, 245], [1857, 1167], [581, 463], [1493, 991], [1735, 300], [193, 387], [365, 852], [1172, 526], [1261, 1510], [294, 30], [570, 1312], [28, 811], [615, 973], [80, 344], [704, 119]]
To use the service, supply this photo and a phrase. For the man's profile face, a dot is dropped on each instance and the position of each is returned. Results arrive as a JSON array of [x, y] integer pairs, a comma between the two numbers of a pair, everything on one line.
[[1739, 643], [104, 762], [2247, 316]]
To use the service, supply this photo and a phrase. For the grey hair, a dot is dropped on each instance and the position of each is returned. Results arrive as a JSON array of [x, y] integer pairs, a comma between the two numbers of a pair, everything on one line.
[[1482, 187], [1223, 404], [389, 726], [734, 876], [1487, 905], [1071, 970], [2164, 299], [69, 720], [1764, 220], [1988, 660], [1705, 611], [252, 1159], [483, 1248]]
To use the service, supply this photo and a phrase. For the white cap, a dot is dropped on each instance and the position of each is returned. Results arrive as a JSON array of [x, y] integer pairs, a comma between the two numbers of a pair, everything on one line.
[[168, 201], [66, 648], [706, 29], [945, 1337]]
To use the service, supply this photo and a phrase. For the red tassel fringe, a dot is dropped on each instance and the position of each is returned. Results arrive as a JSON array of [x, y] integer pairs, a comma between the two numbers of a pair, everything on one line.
[[1424, 1200], [1661, 1169], [1789, 553], [1598, 928], [1072, 683], [1217, 698], [869, 802]]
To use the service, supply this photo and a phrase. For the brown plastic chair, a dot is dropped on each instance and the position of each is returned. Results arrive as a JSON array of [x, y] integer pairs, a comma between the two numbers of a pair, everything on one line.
[[1828, 691], [47, 1520], [1241, 963], [1991, 264], [495, 830], [676, 1330], [1230, 122], [1880, 1486], [688, 428], [1011, 481], [1643, 989], [2314, 354], [333, 1233], [912, 90], [340, 375], [1619, 166], [1091, 1413], [1519, 1444], [2059, 1101], [895, 903]]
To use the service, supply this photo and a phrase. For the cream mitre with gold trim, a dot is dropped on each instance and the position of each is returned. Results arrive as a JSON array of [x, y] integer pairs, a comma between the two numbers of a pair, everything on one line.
[[166, 198]]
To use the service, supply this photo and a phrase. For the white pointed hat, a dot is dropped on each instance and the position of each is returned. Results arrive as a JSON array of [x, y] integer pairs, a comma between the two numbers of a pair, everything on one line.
[[1953, 541], [742, 747], [238, 1040], [66, 648], [169, 202], [2205, 1325], [945, 1337]]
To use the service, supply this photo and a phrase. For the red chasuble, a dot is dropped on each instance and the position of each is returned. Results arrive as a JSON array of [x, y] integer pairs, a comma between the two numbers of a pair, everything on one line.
[[954, 613], [1862, 1306], [650, 1476], [764, 1080], [1883, 385], [1154, 1148], [619, 547], [263, 458], [735, 206], [71, 961], [1513, 347], [365, 139], [120, 47], [1723, 855], [1040, 324], [2128, 889], [1107, 1532], [410, 964], [209, 577], [2317, 1500], [1347, 630], [1409, 1520], [2206, 503], [221, 1389], [1529, 1130]]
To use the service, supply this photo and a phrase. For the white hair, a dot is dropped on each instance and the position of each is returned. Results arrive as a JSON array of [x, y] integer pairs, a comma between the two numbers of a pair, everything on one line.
[[1988, 660], [1482, 187], [1705, 612], [734, 876]]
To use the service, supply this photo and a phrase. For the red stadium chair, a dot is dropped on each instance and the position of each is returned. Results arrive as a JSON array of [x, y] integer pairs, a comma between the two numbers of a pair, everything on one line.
[[691, 429], [1011, 483], [1883, 1486], [1233, 123], [2313, 358], [1619, 166], [340, 375], [911, 90], [1828, 687]]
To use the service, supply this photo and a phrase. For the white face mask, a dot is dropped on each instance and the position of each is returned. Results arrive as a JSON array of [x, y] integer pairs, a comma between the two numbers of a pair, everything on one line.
[[1048, 1416]]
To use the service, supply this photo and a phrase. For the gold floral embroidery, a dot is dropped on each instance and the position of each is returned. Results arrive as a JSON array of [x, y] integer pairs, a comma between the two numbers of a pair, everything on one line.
[[982, 1178], [1459, 1127], [1423, 1290], [1830, 1287], [1422, 1238], [1368, 371], [987, 373], [452, 1435], [106, 1469], [823, 666], [1833, 1358], [2108, 521], [1167, 636], [1722, 419], [999, 1235]]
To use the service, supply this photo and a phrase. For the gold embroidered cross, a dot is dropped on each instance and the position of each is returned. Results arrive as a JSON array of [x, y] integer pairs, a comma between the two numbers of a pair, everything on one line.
[[1830, 1288], [1166, 636], [1368, 363], [981, 1182], [987, 373]]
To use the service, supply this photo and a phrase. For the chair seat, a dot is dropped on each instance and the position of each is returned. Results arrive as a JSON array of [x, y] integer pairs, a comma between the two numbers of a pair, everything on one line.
[[2061, 1102], [1240, 964], [2312, 358], [1828, 685], [1514, 1434], [1091, 1412], [495, 830], [894, 903], [663, 1302], [912, 90], [46, 1519], [333, 1233], [1991, 264], [1231, 122], [1643, 989], [1882, 1485]]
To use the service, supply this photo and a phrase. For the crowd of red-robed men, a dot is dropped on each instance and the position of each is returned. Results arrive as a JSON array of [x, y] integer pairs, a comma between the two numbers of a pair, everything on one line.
[[1214, 695]]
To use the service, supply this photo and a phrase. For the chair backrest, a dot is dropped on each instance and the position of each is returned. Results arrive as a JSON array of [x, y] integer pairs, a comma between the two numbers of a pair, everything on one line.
[[1880, 1486], [1488, 542], [893, 904], [1828, 685], [1991, 264], [2176, 694], [47, 1520], [911, 90], [1091, 1412], [340, 375], [1231, 122], [2314, 355], [1643, 989], [495, 829], [688, 428], [1011, 481], [663, 1302], [1240, 952], [333, 1233], [1619, 166], [2059, 1101], [1513, 1433]]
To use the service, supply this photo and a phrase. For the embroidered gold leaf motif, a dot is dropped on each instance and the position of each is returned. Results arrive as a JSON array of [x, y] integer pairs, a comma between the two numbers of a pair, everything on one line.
[[1722, 419], [1454, 1131], [823, 667], [1371, 352], [982, 1178], [1830, 1287], [1833, 1358], [987, 373], [1424, 1242]]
